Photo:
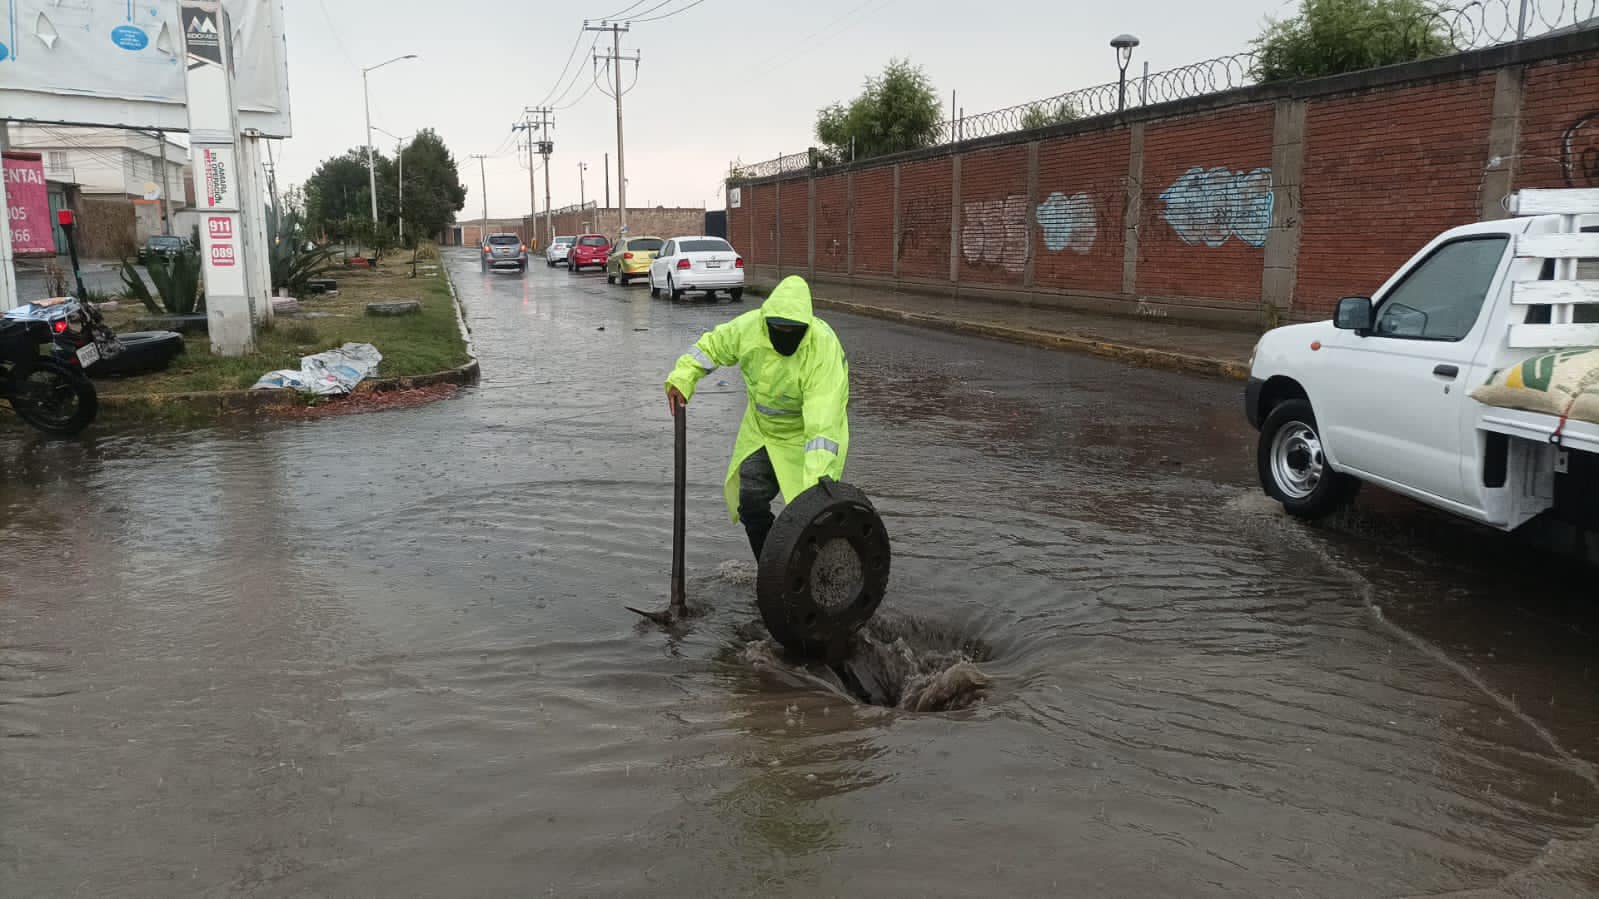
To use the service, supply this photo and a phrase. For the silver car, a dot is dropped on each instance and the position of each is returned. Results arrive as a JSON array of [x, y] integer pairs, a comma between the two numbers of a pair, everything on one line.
[[504, 251], [555, 253]]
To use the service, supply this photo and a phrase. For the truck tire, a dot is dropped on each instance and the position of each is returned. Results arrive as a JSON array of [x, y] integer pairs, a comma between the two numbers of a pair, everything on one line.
[[823, 571], [1293, 468]]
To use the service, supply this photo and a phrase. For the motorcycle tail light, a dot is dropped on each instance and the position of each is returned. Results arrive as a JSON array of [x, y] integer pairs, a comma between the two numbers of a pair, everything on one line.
[[59, 326]]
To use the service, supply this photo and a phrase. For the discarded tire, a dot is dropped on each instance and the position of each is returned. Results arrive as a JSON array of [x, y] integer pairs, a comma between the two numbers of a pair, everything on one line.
[[142, 352], [823, 571]]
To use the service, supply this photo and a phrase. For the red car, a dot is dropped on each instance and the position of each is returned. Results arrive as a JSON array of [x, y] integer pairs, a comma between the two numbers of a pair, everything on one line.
[[588, 250]]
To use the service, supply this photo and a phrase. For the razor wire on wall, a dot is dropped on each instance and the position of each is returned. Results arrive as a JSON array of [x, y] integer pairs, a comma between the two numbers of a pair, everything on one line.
[[1464, 26]]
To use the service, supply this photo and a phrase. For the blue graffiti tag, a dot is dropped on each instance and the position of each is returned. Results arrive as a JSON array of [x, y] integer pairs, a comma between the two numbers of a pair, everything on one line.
[[1068, 222], [1205, 207]]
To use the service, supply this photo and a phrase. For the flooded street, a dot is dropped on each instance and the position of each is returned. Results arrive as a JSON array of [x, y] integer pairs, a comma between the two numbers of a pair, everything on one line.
[[387, 654]]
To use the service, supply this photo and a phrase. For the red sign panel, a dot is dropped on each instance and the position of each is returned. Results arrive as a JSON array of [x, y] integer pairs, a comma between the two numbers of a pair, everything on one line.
[[220, 227], [28, 206], [222, 254]]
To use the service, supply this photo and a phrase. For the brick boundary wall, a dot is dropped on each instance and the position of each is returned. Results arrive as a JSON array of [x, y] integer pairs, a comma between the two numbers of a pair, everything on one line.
[[1240, 208]]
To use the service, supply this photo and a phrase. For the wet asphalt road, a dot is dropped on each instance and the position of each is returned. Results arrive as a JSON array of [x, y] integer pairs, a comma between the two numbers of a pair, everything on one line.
[[387, 655]]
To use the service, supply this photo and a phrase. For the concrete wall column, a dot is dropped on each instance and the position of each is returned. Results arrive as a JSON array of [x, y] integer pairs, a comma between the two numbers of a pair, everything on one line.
[[810, 226], [1504, 139], [1282, 240], [895, 271], [955, 220], [849, 224], [1032, 213], [1134, 208]]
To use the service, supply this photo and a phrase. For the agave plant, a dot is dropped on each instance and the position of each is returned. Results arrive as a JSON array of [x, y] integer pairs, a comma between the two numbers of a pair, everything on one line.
[[179, 289], [295, 260]]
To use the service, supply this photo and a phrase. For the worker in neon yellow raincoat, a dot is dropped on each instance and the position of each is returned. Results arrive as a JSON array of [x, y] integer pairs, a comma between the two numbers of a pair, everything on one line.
[[796, 424]]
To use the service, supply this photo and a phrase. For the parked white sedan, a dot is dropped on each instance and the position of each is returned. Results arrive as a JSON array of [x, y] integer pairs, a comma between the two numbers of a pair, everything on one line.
[[701, 263]]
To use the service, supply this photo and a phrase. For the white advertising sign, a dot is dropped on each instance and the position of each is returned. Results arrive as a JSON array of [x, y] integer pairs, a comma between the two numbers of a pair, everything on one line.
[[216, 185], [222, 254], [735, 198], [121, 63]]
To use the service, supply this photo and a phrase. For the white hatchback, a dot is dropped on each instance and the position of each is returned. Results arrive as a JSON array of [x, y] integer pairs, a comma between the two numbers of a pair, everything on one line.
[[707, 264], [555, 253]]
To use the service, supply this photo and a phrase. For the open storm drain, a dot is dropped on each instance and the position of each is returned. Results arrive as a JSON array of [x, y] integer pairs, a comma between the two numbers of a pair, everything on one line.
[[895, 661]]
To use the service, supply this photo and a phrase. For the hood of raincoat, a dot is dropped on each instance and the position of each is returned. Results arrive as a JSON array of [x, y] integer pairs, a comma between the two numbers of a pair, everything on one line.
[[791, 299]]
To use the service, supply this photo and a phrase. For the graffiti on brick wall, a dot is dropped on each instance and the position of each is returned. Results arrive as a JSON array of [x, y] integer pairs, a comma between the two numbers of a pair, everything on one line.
[[994, 233], [1068, 223], [1579, 152], [1206, 207]]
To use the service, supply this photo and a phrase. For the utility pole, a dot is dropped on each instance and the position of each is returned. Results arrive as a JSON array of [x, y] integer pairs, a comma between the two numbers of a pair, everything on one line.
[[272, 177], [483, 230], [581, 168], [532, 193], [166, 189], [614, 61], [607, 181], [545, 148], [399, 198]]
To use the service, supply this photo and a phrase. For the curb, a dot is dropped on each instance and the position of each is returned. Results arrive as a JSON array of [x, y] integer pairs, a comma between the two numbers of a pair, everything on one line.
[[228, 401], [1140, 355], [251, 400]]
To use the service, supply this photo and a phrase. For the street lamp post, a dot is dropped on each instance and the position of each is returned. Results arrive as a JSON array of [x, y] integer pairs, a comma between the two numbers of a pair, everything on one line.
[[1124, 44], [399, 192], [371, 165]]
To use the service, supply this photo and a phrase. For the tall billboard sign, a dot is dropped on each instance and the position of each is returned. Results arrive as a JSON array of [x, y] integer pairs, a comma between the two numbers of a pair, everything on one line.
[[213, 136]]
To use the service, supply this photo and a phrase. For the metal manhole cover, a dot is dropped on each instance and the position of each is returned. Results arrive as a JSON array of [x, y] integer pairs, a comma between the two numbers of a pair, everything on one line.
[[823, 571]]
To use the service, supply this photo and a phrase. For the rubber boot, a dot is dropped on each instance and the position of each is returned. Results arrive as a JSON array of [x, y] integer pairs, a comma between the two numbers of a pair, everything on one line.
[[757, 532]]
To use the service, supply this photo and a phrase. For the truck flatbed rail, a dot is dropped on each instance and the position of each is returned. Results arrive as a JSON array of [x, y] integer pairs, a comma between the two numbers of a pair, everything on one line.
[[1577, 435]]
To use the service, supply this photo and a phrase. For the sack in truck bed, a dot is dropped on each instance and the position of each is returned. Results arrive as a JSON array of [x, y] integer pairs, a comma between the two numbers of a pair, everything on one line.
[[1561, 383]]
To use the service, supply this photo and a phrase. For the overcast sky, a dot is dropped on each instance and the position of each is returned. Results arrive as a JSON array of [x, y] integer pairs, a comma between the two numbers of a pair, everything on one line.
[[723, 80]]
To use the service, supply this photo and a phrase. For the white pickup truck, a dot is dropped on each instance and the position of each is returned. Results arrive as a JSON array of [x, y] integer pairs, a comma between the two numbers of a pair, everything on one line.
[[1382, 393]]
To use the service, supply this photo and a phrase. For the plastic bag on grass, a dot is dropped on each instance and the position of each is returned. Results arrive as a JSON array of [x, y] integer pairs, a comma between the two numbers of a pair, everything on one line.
[[332, 373]]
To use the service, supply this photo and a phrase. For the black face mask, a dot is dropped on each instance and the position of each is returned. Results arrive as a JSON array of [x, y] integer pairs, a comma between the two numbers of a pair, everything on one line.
[[785, 335]]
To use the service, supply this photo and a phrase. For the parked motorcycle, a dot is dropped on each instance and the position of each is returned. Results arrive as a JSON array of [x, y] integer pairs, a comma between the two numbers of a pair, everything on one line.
[[44, 348]]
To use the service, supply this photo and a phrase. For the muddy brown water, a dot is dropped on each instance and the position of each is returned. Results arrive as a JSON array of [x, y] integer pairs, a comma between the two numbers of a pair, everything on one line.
[[387, 654]]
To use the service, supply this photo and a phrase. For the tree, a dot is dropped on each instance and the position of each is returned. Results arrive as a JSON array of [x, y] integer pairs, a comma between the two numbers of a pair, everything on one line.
[[338, 193], [897, 111], [1330, 37], [433, 189], [1040, 115]]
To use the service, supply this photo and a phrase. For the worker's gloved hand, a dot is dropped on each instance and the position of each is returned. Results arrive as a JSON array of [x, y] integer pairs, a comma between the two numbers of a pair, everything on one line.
[[675, 400]]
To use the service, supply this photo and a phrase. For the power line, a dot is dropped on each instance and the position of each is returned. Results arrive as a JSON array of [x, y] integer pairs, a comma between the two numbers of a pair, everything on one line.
[[571, 55], [335, 32], [618, 15], [586, 92], [668, 15], [648, 11], [810, 42], [576, 75]]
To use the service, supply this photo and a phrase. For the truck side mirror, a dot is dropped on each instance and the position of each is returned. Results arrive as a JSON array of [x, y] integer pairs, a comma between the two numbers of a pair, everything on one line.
[[1354, 314]]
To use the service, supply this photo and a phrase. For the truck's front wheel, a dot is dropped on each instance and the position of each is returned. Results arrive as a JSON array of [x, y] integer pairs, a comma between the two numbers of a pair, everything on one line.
[[1293, 467]]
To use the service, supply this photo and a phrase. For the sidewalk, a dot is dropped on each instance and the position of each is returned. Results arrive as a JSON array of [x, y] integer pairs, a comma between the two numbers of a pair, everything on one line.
[[1161, 343], [103, 275]]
